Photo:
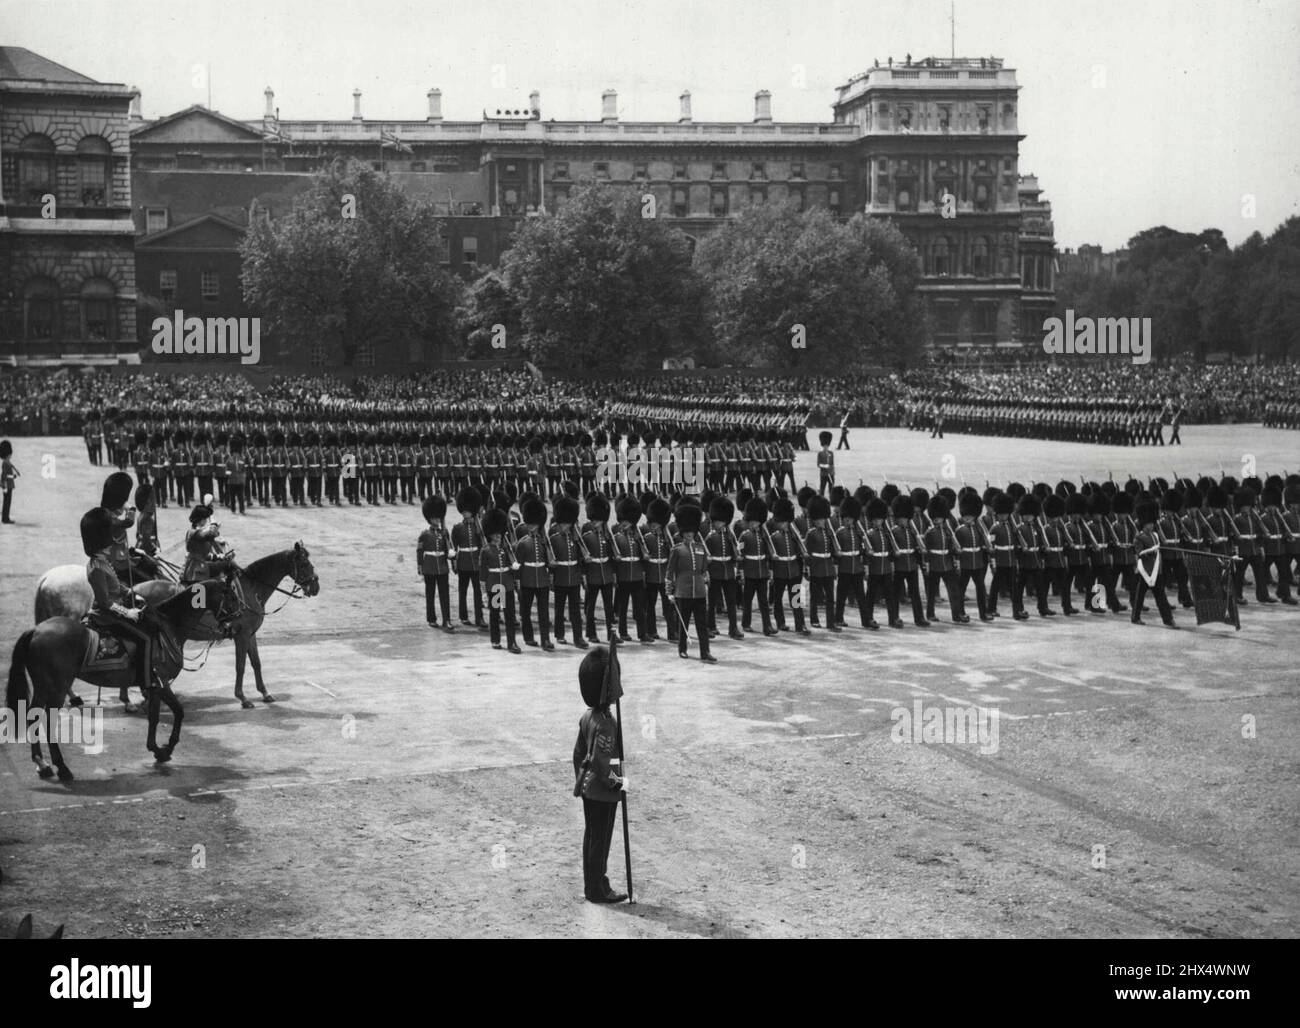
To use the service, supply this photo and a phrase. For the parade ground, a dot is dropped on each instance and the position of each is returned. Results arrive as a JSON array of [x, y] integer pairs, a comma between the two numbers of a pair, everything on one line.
[[1138, 781]]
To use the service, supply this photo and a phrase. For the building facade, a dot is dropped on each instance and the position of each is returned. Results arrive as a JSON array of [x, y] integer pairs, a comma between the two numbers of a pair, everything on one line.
[[67, 264]]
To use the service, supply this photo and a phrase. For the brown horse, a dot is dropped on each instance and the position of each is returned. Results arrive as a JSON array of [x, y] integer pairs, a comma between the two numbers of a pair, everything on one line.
[[60, 649], [64, 590]]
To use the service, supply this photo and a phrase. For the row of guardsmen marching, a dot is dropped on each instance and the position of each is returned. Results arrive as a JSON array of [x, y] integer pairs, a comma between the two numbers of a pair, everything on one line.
[[691, 561]]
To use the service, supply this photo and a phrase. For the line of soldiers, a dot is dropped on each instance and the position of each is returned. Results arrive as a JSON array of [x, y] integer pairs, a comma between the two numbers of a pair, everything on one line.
[[1279, 414], [1113, 422], [692, 560]]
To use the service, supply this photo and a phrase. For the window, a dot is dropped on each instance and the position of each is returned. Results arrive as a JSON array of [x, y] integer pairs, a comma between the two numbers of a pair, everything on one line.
[[1007, 163], [679, 171], [720, 170], [836, 170], [601, 169], [882, 164], [35, 168], [469, 250], [906, 196], [681, 207], [98, 300], [981, 196], [40, 308], [945, 117], [366, 353], [718, 203], [511, 198], [316, 355], [167, 285], [758, 170], [210, 283], [798, 198], [941, 261], [979, 257], [418, 166], [94, 166], [833, 201], [562, 169], [155, 219], [945, 319], [640, 171], [796, 169], [984, 113], [986, 319], [905, 117], [757, 195]]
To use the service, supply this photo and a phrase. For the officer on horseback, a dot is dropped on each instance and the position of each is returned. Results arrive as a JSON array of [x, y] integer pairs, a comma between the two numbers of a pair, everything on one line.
[[115, 501], [114, 609], [206, 552]]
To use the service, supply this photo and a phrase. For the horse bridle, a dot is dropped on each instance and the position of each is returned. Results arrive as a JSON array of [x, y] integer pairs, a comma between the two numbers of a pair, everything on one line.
[[296, 593]]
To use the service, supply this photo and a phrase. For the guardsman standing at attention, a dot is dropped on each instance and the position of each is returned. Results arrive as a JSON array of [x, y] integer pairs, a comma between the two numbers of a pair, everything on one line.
[[279, 469], [629, 571], [974, 546], [943, 555], [203, 461], [756, 566], [823, 561], [432, 557], [1148, 568], [787, 566], [599, 561], [849, 541], [159, 468], [236, 474], [9, 475], [687, 579], [423, 468], [597, 774], [1056, 566], [497, 570], [533, 552], [724, 566], [1029, 559], [468, 541], [566, 561], [825, 464], [658, 544], [182, 462], [333, 467], [1003, 534], [315, 467]]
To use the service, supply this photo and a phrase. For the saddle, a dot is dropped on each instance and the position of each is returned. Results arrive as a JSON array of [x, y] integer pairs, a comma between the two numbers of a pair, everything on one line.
[[106, 651]]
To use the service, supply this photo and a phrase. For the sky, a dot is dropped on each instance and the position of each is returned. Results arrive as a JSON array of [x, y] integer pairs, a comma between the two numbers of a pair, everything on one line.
[[1136, 113]]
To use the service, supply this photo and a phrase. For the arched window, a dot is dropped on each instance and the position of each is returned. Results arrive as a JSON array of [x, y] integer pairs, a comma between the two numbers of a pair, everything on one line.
[[979, 257], [35, 168], [40, 309], [942, 262], [94, 171], [98, 310], [981, 196]]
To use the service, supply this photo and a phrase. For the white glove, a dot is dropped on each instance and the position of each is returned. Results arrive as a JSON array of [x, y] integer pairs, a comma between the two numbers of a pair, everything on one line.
[[133, 614], [623, 783]]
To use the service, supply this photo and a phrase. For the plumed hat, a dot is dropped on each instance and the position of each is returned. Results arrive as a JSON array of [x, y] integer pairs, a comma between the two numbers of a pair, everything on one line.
[[201, 512]]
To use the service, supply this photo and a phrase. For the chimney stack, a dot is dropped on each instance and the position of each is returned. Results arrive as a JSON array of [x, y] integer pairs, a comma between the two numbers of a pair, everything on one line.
[[356, 105], [269, 93], [135, 114], [435, 104], [686, 106], [763, 106], [609, 105], [535, 104]]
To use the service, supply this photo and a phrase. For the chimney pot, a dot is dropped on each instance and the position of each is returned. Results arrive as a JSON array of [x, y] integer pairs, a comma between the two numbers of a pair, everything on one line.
[[435, 104], [356, 104], [269, 93], [609, 105], [763, 106], [535, 103], [686, 106]]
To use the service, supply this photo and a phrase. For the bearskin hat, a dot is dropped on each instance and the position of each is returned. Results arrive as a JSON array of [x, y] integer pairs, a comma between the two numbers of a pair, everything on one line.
[[689, 517], [469, 500], [1053, 505], [1292, 494], [804, 495], [237, 444], [950, 495], [920, 498], [434, 507], [722, 509], [1099, 504], [1172, 501], [1016, 490], [535, 444], [1041, 490], [143, 495], [937, 508], [1076, 503], [565, 510], [970, 505], [1148, 511], [277, 438], [888, 491], [629, 510], [756, 510], [864, 494], [1228, 484], [850, 509], [657, 512], [117, 490], [1217, 497], [1253, 484], [591, 675], [1029, 507], [141, 437], [1132, 487], [1004, 503], [824, 438], [533, 511], [838, 493], [706, 498], [1270, 498], [1274, 482], [96, 530], [783, 509], [1244, 498], [1122, 503], [495, 521], [1065, 488], [902, 508], [818, 508], [743, 497], [877, 509], [259, 439], [201, 512], [1192, 498], [501, 500], [597, 508]]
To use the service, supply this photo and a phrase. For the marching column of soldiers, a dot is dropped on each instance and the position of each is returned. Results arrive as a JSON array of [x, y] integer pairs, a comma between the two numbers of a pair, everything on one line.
[[1113, 422]]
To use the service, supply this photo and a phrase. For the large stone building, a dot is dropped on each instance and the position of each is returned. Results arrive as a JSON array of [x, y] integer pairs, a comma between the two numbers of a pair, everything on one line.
[[67, 264]]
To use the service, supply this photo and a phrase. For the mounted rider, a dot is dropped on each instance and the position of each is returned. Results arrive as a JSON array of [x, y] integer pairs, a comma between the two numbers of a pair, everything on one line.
[[115, 500], [115, 608], [206, 554]]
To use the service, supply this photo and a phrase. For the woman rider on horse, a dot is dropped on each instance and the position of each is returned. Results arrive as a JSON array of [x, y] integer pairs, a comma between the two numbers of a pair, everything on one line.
[[114, 608], [206, 554]]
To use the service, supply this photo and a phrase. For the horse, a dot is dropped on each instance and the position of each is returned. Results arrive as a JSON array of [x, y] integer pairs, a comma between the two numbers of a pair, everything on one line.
[[62, 592], [25, 925], [61, 649]]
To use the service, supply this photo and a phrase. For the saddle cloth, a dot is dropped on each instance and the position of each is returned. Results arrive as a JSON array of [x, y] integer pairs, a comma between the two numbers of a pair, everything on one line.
[[106, 652]]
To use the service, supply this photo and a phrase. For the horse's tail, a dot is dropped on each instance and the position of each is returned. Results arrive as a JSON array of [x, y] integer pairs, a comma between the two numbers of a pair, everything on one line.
[[17, 689]]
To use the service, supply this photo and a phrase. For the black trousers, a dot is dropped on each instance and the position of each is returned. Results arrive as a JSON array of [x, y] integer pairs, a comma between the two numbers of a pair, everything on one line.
[[1006, 577], [332, 488], [437, 584], [1058, 577], [8, 502], [1075, 576], [1035, 579], [882, 587], [529, 595], [634, 592], [793, 586], [817, 588], [1105, 575], [184, 490], [464, 579], [221, 489], [1178, 569], [657, 594], [567, 595], [851, 586], [1162, 602], [313, 488], [1282, 563], [205, 485], [606, 593], [755, 587], [1259, 572], [981, 594], [912, 579], [597, 837], [425, 486], [235, 491], [956, 598], [504, 604], [696, 608], [722, 592]]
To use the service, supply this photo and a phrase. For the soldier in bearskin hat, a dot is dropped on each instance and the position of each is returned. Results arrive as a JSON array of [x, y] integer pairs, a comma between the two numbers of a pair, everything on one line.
[[598, 777], [115, 607], [1029, 558], [658, 545], [756, 566], [432, 558], [687, 580], [825, 464], [1149, 576], [629, 570], [497, 570], [532, 549], [598, 563], [146, 529], [906, 560], [943, 555], [116, 499], [467, 537], [787, 565], [567, 555], [1004, 541], [9, 476], [849, 539], [974, 546], [724, 566], [315, 454], [182, 468], [236, 475]]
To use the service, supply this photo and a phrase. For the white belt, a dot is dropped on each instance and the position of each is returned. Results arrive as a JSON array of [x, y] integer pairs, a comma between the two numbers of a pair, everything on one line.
[[534, 564], [564, 563]]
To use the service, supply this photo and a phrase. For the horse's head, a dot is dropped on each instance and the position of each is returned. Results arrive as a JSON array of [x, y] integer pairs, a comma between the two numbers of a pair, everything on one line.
[[302, 572]]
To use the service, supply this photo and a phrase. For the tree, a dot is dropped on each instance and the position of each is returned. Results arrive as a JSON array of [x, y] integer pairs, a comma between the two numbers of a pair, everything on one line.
[[801, 290], [356, 263], [487, 304], [601, 287]]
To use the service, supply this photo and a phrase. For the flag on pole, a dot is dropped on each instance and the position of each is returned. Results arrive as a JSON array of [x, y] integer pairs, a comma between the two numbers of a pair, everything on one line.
[[387, 138], [1210, 579]]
